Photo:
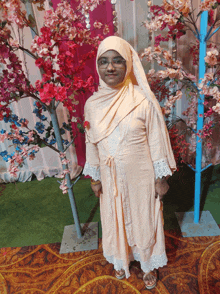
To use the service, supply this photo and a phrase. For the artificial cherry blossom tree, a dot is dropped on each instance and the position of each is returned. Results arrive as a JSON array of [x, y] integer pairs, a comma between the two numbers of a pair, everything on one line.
[[174, 18], [178, 16], [54, 52]]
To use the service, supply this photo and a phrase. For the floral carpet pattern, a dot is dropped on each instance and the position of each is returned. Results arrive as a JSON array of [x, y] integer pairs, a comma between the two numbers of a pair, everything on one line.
[[193, 267]]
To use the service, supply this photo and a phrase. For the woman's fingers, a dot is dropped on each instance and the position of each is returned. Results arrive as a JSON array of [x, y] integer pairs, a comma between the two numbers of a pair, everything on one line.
[[97, 189]]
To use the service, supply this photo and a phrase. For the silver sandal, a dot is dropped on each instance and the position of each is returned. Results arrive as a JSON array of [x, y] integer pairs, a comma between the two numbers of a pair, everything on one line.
[[148, 277], [120, 274]]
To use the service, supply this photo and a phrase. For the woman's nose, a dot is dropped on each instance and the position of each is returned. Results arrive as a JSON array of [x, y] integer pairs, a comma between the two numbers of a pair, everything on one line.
[[110, 66]]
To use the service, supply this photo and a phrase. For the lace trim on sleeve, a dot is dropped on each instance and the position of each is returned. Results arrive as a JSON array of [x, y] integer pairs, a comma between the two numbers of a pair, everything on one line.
[[161, 168], [92, 171]]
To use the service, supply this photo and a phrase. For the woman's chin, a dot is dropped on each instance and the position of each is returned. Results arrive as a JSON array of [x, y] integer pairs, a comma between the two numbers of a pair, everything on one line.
[[112, 84]]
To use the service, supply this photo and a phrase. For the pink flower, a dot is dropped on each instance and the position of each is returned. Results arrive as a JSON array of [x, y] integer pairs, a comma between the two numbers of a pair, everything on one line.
[[39, 62], [30, 136], [64, 187], [65, 161], [14, 43], [36, 148], [31, 156], [206, 5], [24, 152], [65, 171], [18, 158], [106, 29], [61, 93], [13, 170], [97, 25], [3, 137], [47, 93], [62, 154], [216, 108], [211, 57]]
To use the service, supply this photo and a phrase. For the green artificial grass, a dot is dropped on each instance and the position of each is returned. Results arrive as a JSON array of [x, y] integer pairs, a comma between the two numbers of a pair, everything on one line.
[[36, 212]]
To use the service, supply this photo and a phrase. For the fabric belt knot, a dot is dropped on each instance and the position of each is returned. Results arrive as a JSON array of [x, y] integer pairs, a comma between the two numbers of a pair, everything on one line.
[[111, 163]]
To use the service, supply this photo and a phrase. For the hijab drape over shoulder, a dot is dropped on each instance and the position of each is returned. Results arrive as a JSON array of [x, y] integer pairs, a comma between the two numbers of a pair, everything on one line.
[[108, 106]]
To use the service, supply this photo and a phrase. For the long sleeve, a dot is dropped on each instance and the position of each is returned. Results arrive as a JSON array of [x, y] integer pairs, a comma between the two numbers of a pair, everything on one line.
[[92, 166], [157, 150]]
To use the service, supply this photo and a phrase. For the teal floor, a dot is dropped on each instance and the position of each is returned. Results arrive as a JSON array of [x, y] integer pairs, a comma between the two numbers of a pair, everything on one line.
[[36, 212]]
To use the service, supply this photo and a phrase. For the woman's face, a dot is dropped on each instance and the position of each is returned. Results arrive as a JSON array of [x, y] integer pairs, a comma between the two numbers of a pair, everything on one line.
[[112, 68]]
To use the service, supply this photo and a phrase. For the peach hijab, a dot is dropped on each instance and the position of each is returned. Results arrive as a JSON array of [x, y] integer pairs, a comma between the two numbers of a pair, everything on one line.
[[108, 106]]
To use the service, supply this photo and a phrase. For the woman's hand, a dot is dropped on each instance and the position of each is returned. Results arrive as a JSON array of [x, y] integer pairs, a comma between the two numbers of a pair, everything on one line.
[[97, 189], [161, 187]]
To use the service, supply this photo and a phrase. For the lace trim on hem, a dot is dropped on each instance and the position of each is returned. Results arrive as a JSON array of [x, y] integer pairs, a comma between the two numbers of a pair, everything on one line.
[[92, 171], [161, 168], [118, 264], [155, 262]]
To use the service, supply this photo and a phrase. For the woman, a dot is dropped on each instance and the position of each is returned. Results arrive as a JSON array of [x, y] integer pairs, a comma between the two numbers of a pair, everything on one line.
[[128, 156]]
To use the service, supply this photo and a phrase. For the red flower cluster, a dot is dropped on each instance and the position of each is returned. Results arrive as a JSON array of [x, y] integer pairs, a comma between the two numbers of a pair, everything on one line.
[[179, 145], [61, 38], [178, 28], [211, 17], [86, 124], [13, 82], [159, 89]]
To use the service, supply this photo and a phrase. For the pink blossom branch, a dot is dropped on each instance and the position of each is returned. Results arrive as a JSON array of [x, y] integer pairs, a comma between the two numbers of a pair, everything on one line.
[[28, 51], [194, 24]]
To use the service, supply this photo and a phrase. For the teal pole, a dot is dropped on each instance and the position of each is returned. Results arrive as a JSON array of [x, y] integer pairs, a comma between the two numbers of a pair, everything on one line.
[[200, 116], [67, 177]]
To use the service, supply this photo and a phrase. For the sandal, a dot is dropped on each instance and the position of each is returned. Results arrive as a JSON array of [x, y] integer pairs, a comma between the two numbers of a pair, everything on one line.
[[150, 280], [120, 274]]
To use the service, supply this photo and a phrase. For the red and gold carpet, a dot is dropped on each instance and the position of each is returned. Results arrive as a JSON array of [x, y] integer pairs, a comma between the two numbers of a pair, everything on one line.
[[194, 267]]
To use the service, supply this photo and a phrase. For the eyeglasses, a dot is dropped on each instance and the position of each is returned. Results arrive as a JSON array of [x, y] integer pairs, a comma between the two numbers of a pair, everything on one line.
[[116, 63]]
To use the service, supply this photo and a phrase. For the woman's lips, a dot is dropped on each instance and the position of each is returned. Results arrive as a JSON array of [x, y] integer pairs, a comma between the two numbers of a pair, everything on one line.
[[111, 75]]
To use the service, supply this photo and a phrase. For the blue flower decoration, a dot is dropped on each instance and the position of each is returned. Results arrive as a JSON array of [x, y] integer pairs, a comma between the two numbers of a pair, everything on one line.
[[18, 149], [22, 120], [53, 141], [6, 158], [44, 107], [66, 127], [3, 153], [36, 111], [39, 127], [62, 131], [43, 117], [14, 117], [16, 141], [6, 119], [66, 142]]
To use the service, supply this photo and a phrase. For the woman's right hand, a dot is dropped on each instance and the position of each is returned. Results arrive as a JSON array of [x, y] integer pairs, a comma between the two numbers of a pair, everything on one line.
[[97, 189]]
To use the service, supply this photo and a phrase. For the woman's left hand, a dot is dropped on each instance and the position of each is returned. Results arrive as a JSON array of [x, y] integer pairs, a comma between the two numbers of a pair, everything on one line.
[[161, 187]]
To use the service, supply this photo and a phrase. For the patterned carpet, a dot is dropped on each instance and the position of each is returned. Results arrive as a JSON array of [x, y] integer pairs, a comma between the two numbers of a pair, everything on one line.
[[194, 267]]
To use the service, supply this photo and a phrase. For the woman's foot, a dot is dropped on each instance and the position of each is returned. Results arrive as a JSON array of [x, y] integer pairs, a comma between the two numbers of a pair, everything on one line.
[[120, 274], [150, 280]]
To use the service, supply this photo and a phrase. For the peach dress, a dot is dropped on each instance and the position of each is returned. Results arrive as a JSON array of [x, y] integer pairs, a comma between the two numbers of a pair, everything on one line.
[[127, 160]]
